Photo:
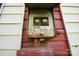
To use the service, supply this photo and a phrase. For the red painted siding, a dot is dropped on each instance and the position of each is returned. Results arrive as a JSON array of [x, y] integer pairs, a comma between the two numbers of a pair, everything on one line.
[[54, 46]]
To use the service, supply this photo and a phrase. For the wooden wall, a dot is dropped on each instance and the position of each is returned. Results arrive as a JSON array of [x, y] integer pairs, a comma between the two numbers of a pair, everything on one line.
[[55, 46]]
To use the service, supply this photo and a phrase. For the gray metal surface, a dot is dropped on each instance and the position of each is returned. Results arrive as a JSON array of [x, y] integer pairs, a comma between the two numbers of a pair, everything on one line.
[[40, 5]]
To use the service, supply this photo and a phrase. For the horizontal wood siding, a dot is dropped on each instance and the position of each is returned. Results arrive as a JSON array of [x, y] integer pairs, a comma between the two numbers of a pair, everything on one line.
[[11, 24], [59, 42], [70, 13], [9, 52]]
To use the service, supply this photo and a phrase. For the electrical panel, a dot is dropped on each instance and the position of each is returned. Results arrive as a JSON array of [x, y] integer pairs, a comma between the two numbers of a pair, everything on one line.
[[40, 24]]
